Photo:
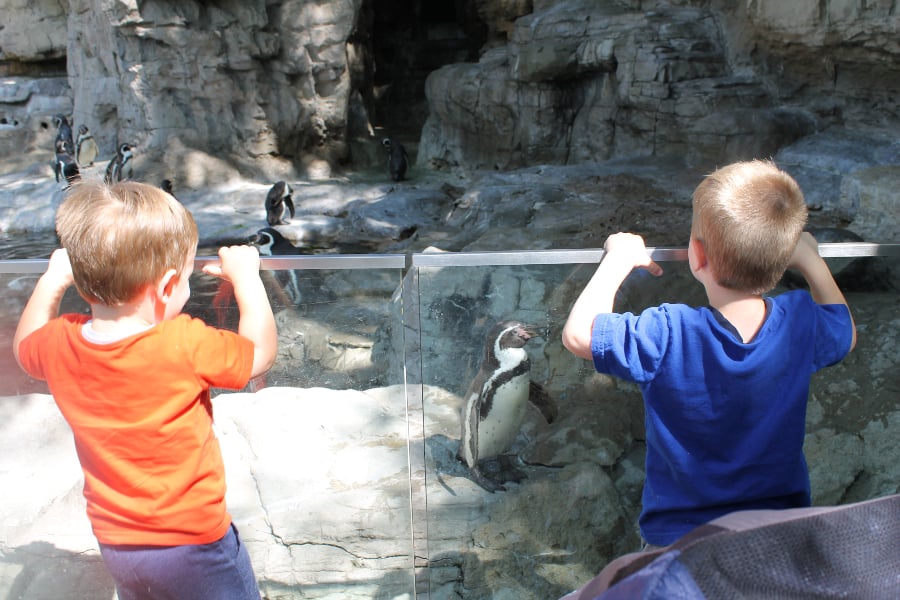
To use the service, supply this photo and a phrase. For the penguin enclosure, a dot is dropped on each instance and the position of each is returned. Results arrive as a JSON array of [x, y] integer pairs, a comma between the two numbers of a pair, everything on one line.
[[342, 463]]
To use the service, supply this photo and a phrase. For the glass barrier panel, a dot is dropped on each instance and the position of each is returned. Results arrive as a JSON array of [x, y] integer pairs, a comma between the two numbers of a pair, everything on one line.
[[316, 455], [344, 465], [548, 504]]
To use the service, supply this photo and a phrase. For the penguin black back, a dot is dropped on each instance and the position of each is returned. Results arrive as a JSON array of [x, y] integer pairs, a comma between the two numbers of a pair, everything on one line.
[[270, 242], [120, 164], [66, 168], [64, 142], [279, 201], [398, 160]]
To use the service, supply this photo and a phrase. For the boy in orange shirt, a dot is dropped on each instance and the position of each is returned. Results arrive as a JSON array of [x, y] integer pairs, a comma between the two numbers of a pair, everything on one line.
[[132, 380]]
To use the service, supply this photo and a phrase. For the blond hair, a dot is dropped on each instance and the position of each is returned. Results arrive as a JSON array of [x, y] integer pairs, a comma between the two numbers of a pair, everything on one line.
[[123, 237], [749, 217]]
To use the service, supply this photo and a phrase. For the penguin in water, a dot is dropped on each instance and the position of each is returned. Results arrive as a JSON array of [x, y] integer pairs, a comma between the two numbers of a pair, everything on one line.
[[497, 399], [270, 242], [121, 162], [279, 201], [64, 143], [398, 161], [86, 150]]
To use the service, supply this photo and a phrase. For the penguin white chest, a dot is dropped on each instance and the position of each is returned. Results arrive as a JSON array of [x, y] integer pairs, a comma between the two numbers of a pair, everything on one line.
[[501, 424]]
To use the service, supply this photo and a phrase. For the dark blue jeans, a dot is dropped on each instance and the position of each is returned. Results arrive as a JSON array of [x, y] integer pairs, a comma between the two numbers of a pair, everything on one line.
[[217, 571]]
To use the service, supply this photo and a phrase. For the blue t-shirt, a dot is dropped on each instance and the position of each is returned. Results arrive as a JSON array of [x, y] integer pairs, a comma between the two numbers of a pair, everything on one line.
[[725, 420]]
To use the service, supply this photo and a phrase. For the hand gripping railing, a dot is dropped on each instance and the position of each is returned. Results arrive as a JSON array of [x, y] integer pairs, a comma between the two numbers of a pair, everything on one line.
[[475, 259]]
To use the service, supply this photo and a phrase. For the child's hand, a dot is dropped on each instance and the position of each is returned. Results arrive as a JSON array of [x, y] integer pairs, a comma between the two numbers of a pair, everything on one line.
[[629, 249], [59, 269], [235, 262], [805, 253]]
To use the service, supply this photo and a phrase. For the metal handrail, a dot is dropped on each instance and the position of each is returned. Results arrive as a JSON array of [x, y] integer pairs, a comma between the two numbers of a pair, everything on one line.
[[471, 259]]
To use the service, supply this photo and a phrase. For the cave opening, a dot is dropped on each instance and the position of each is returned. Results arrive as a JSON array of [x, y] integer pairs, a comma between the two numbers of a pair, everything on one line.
[[409, 39]]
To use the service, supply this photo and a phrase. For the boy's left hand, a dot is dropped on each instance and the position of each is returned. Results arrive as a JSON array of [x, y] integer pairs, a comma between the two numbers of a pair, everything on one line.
[[234, 263]]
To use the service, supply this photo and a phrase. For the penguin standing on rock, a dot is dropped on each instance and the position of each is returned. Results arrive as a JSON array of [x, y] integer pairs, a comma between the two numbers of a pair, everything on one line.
[[86, 150], [398, 161], [121, 162], [496, 401], [278, 201], [66, 168], [64, 142]]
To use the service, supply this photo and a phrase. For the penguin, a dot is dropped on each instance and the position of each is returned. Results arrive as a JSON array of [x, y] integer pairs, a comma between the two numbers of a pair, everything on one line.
[[66, 168], [398, 160], [497, 399], [115, 170], [277, 201], [86, 150], [64, 142], [270, 242]]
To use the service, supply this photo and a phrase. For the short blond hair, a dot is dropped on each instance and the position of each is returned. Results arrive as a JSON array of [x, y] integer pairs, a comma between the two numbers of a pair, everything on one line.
[[123, 237], [749, 217]]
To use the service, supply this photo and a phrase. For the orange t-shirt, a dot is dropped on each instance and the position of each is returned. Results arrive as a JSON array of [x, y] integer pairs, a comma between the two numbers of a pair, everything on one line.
[[140, 412]]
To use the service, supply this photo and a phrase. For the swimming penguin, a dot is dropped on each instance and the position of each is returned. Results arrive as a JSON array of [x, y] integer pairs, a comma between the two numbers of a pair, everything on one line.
[[64, 142], [270, 242], [121, 162], [497, 399], [86, 150], [398, 160], [277, 201], [66, 168]]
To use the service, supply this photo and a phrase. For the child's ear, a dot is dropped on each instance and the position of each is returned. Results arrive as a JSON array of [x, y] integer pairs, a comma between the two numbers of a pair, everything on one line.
[[696, 254], [167, 284]]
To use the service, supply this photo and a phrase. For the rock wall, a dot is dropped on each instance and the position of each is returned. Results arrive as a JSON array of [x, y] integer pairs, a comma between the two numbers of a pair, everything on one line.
[[239, 80], [715, 81], [274, 85]]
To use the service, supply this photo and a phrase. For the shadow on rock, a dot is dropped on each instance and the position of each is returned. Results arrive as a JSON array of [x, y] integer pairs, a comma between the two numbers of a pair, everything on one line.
[[45, 571]]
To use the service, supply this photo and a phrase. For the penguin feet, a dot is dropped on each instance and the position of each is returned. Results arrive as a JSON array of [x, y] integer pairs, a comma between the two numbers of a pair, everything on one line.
[[485, 482], [493, 474]]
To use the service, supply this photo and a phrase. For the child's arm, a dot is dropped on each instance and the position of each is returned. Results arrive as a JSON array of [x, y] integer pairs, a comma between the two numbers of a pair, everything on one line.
[[44, 302], [624, 252], [822, 286], [240, 266]]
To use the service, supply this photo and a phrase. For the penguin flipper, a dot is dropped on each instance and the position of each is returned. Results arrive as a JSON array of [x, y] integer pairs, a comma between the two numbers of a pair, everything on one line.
[[468, 439], [290, 205], [542, 401]]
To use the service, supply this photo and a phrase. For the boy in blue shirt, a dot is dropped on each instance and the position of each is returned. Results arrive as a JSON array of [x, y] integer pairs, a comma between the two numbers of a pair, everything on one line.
[[725, 386]]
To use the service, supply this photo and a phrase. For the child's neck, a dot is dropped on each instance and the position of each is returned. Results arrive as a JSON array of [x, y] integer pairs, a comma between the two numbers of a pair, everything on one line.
[[122, 321], [746, 312]]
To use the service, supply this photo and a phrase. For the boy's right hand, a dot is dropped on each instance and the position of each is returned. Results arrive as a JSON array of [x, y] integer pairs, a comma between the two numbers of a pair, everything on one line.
[[59, 269], [629, 250]]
